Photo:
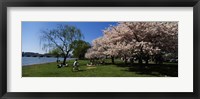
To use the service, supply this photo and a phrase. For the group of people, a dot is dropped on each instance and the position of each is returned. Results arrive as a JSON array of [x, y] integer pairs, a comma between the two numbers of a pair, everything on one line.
[[75, 65]]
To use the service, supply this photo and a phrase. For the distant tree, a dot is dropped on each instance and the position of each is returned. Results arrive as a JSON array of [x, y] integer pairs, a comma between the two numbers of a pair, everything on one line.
[[80, 47], [56, 52], [62, 38]]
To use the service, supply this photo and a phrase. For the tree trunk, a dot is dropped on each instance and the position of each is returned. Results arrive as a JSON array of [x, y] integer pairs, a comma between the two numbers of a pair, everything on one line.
[[79, 56], [112, 58], [140, 56], [140, 60], [65, 57], [160, 59], [57, 59], [147, 61], [131, 60], [125, 60], [64, 61]]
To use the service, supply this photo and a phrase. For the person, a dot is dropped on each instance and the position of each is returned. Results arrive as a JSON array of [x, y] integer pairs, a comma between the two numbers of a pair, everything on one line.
[[65, 65], [59, 65], [75, 65], [62, 65]]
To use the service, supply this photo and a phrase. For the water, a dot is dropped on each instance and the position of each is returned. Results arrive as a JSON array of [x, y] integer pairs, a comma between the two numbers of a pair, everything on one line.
[[39, 60]]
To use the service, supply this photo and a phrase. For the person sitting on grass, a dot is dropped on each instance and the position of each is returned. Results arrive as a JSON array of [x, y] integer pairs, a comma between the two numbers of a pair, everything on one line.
[[75, 65], [59, 65], [62, 65]]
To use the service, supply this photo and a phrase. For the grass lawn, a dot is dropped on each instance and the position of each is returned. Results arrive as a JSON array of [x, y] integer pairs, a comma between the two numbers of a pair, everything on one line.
[[108, 70]]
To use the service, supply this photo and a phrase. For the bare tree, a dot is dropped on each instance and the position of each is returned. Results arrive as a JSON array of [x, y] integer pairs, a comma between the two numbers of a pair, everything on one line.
[[61, 38]]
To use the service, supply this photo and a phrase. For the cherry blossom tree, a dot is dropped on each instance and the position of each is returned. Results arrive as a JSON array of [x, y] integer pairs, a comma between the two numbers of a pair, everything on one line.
[[137, 39], [161, 34], [96, 52], [150, 37]]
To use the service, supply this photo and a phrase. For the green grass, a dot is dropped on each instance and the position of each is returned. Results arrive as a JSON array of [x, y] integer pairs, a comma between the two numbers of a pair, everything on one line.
[[108, 70]]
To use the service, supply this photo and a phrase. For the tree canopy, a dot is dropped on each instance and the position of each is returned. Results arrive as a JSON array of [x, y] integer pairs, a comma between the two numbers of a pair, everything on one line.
[[61, 38], [80, 47], [136, 39]]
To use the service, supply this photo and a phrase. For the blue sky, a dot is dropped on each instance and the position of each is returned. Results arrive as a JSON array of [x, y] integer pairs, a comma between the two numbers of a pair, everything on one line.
[[31, 32]]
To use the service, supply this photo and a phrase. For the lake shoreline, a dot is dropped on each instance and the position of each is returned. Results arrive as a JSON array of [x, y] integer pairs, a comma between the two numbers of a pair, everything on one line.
[[37, 64], [28, 61]]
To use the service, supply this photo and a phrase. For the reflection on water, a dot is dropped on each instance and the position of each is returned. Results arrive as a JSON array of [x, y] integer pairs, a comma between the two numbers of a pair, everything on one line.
[[38, 60]]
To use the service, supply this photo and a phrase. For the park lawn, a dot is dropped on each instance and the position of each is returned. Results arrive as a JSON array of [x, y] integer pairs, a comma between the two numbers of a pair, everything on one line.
[[109, 70]]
